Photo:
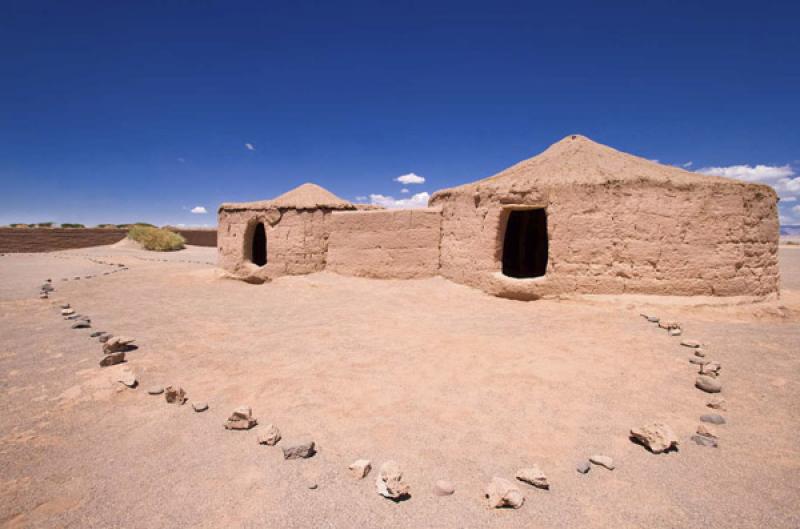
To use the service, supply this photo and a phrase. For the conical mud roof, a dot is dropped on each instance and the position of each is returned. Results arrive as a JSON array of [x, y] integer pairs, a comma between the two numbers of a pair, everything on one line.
[[306, 196]]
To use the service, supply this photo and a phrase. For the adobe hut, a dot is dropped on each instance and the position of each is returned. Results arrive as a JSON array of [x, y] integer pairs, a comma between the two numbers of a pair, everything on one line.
[[286, 235], [584, 218]]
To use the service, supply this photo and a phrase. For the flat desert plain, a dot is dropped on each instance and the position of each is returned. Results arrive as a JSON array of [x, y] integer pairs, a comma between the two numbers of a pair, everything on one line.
[[447, 381]]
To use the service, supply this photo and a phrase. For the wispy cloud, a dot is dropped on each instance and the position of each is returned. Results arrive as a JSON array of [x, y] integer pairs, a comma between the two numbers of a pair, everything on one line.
[[361, 198], [788, 199], [249, 146], [688, 164], [405, 190], [419, 200], [410, 178], [198, 210], [181, 160]]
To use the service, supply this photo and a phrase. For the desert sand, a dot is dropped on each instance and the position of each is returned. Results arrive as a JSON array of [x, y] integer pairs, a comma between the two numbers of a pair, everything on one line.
[[448, 381]]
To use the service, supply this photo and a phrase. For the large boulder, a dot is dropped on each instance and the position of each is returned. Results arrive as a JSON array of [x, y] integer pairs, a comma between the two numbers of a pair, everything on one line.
[[656, 437], [502, 493], [389, 482]]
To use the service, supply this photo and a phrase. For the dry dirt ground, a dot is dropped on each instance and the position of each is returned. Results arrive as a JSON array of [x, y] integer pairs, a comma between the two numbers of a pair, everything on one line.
[[449, 382]]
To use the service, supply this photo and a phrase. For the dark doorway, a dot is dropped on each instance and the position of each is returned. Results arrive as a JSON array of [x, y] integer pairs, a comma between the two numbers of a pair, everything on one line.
[[525, 243], [259, 252]]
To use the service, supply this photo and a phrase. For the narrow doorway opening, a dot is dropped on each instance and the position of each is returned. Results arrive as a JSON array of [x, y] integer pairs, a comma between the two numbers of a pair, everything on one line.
[[259, 248], [525, 244]]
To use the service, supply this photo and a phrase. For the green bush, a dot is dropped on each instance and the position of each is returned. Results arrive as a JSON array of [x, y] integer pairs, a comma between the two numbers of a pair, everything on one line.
[[44, 225], [156, 239], [72, 225]]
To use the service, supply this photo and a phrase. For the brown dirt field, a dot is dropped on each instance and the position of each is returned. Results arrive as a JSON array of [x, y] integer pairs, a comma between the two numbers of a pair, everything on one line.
[[450, 382], [16, 240]]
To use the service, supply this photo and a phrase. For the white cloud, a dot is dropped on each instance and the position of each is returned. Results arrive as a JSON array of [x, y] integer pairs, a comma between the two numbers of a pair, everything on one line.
[[410, 178], [788, 199], [780, 177], [361, 198], [796, 209], [181, 160], [757, 173], [419, 200], [198, 210], [249, 146], [688, 164], [405, 190]]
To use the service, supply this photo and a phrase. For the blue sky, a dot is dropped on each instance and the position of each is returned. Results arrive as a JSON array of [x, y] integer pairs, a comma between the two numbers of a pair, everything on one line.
[[126, 111]]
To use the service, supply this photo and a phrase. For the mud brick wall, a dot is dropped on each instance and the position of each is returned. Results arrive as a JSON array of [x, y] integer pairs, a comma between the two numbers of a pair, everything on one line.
[[27, 240]]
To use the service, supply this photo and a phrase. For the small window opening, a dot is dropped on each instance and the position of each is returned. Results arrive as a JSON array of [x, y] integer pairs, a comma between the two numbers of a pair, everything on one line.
[[525, 244], [259, 250]]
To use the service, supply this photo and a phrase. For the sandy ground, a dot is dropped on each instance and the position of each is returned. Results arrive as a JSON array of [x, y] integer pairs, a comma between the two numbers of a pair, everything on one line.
[[451, 383]]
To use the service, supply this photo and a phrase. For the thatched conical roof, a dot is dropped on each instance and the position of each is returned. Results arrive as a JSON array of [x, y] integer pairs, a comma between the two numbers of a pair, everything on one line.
[[306, 196], [577, 160]]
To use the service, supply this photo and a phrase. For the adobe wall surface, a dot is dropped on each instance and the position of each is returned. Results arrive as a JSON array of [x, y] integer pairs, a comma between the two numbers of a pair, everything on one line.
[[296, 242], [717, 239], [27, 240], [386, 244]]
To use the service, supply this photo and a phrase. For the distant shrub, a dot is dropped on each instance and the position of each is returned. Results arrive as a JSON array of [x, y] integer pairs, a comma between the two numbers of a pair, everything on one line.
[[106, 226], [156, 239], [44, 224], [20, 225], [72, 225]]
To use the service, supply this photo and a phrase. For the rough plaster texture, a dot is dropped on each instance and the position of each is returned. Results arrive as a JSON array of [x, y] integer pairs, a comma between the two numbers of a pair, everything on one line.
[[651, 230], [297, 242], [400, 244], [616, 224]]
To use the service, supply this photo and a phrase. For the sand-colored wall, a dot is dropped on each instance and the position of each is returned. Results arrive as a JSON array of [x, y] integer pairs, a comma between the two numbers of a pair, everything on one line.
[[296, 242], [400, 244], [716, 239], [15, 240]]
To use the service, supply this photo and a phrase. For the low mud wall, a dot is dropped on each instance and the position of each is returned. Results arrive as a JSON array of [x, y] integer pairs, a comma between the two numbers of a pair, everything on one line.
[[31, 240], [198, 237], [386, 244]]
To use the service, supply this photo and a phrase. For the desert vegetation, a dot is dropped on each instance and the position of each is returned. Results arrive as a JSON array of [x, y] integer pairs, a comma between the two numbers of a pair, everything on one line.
[[156, 239]]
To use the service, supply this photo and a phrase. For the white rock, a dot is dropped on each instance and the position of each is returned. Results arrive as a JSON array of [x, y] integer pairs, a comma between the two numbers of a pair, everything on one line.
[[657, 437], [269, 436], [603, 461], [389, 482], [443, 488], [502, 493], [360, 468], [533, 475]]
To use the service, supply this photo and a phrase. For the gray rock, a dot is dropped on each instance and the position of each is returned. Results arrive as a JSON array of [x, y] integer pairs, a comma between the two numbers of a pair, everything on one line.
[[705, 441], [583, 467], [713, 418], [299, 449], [603, 461], [199, 406], [269, 436], [700, 352], [443, 488], [653, 319], [155, 390], [112, 359], [708, 384], [675, 332], [533, 475], [717, 403], [502, 493], [313, 486], [83, 324], [691, 343], [67, 312], [389, 482], [95, 334], [696, 360], [360, 468], [103, 338], [656, 437]]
